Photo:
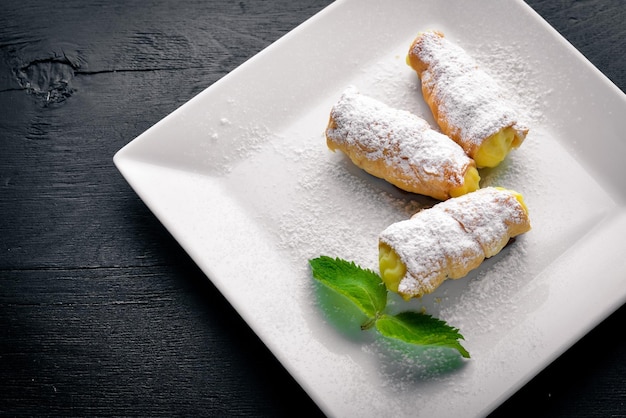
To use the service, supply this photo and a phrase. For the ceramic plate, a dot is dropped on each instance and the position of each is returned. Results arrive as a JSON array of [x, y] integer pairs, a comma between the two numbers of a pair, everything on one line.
[[242, 178]]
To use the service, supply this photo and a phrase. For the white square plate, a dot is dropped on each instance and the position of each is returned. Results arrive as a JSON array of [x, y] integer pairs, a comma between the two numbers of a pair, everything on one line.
[[242, 178]]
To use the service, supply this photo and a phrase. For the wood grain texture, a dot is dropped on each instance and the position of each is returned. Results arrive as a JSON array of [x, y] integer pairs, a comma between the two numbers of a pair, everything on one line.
[[101, 312]]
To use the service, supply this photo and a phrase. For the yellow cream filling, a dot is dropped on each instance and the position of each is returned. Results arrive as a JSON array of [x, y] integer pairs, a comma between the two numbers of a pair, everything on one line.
[[519, 198], [470, 183], [495, 148], [392, 269], [408, 60]]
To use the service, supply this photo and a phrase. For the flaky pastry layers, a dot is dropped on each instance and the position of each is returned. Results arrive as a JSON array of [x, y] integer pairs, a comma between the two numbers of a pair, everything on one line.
[[399, 147], [466, 102], [449, 239]]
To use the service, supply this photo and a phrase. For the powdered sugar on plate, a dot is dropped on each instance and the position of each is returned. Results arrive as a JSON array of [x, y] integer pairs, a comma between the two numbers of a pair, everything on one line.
[[315, 202]]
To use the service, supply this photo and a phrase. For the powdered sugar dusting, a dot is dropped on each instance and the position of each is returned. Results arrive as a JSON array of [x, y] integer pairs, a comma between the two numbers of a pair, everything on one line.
[[370, 131], [470, 100], [516, 78], [491, 217], [454, 237], [427, 244]]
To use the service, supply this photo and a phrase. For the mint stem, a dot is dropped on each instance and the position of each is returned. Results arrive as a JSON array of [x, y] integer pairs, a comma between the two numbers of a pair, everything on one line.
[[368, 324]]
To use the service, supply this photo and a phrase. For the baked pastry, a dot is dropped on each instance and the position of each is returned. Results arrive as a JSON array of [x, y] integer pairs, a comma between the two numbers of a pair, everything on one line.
[[399, 147], [466, 102], [449, 239]]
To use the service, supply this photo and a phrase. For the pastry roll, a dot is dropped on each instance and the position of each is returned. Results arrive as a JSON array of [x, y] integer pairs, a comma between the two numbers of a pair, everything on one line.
[[399, 147], [449, 240], [466, 102]]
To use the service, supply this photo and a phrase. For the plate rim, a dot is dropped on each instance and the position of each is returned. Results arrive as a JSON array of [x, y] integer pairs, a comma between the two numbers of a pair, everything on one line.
[[126, 157]]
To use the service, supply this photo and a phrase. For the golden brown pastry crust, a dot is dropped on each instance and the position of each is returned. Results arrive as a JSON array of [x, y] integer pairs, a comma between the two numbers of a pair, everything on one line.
[[396, 146], [454, 237], [466, 102]]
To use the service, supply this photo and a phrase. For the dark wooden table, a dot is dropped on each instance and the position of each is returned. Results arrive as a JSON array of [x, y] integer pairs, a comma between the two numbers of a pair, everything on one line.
[[101, 312]]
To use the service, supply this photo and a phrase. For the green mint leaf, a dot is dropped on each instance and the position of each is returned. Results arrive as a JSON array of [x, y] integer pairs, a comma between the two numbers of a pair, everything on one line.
[[420, 329], [363, 287]]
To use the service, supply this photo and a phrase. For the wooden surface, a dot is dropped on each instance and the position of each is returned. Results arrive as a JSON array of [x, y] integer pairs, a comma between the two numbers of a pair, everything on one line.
[[101, 312]]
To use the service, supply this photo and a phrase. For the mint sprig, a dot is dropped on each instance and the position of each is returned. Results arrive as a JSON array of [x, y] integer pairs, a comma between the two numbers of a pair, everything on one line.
[[361, 286], [420, 329], [367, 291]]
